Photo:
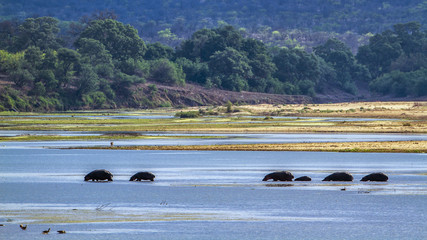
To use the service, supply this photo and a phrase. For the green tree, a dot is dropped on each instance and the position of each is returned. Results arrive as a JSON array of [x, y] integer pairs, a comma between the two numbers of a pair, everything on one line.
[[68, 64], [38, 89], [342, 60], [165, 71], [22, 77], [232, 67], [381, 51], [205, 42], [86, 82], [38, 32], [93, 52], [196, 71], [47, 77], [157, 51], [410, 36], [33, 60], [121, 41], [294, 66]]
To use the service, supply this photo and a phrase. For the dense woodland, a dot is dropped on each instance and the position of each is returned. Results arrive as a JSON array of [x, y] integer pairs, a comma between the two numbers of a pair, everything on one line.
[[100, 62], [169, 21]]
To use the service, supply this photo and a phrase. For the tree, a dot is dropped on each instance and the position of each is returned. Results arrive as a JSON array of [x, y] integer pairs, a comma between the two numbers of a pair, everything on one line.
[[38, 89], [121, 41], [87, 81], [39, 32], [33, 60], [232, 67], [22, 77], [93, 52], [342, 60], [8, 31], [296, 65], [68, 63], [205, 42], [381, 51], [196, 72], [157, 51], [164, 71], [409, 36]]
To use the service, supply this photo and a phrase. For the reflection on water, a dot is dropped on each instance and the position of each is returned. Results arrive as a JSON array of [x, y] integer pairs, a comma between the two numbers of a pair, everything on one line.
[[210, 195]]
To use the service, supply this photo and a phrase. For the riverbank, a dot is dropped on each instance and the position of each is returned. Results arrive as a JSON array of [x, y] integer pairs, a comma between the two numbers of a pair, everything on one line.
[[388, 146]]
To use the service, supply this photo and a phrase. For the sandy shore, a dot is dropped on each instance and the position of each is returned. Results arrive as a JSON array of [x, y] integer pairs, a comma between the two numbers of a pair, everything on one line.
[[388, 146]]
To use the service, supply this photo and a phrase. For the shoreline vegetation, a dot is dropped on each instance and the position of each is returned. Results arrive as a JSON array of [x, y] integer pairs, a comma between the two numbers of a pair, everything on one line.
[[371, 117], [377, 146]]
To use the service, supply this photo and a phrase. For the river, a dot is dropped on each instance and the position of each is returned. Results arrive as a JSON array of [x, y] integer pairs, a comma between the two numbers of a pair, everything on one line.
[[209, 195]]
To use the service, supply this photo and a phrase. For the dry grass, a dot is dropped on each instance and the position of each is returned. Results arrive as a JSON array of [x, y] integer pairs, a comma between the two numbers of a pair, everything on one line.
[[400, 110], [388, 146]]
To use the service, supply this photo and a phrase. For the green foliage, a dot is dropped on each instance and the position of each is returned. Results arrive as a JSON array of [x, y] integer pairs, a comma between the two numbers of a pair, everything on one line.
[[87, 81], [232, 67], [38, 89], [158, 51], [165, 71], [38, 32], [11, 99], [21, 77], [298, 70], [401, 84], [110, 61], [397, 60], [189, 114], [93, 52], [48, 79], [95, 100], [121, 41], [229, 106], [195, 71], [340, 58], [10, 61], [68, 64]]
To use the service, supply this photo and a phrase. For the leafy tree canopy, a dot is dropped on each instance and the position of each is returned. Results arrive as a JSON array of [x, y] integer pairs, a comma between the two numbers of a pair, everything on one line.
[[120, 40]]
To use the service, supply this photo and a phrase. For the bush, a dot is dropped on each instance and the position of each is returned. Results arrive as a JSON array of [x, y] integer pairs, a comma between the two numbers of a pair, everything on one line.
[[189, 114], [95, 99], [22, 77], [167, 72]]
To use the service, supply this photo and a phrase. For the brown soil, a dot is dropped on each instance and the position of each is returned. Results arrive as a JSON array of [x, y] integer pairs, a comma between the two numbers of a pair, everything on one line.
[[194, 95]]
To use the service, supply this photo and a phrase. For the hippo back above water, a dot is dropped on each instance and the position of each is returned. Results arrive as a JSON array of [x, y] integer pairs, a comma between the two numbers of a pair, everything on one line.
[[339, 176], [279, 176], [142, 176], [375, 177], [99, 175]]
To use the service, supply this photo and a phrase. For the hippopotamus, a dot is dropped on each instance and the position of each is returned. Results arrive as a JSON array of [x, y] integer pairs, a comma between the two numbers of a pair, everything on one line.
[[339, 176], [375, 177], [142, 176], [303, 178], [98, 175], [279, 176]]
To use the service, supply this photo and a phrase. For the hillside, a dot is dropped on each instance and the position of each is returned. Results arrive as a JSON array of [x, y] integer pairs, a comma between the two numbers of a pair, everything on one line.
[[288, 23], [194, 95], [104, 63]]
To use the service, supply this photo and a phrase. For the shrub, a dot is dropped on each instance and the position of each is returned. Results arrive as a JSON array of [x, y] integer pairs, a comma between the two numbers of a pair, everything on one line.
[[189, 114]]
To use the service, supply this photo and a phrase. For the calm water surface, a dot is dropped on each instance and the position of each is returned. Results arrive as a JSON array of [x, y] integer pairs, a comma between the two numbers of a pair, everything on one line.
[[210, 195], [234, 138]]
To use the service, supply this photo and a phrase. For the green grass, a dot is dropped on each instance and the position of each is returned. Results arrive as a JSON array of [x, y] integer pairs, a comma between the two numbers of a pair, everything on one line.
[[177, 124], [27, 138]]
